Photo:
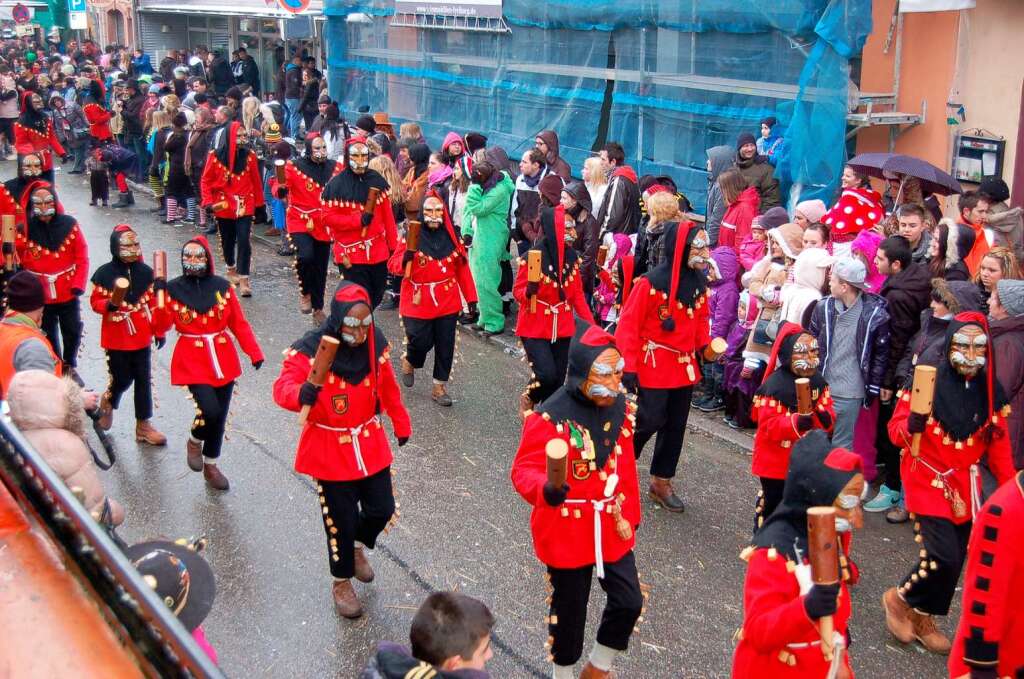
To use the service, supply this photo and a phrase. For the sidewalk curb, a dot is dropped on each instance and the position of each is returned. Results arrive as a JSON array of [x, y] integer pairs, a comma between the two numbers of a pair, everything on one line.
[[709, 425]]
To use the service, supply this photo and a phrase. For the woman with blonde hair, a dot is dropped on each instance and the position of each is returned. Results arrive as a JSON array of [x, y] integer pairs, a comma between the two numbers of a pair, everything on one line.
[[396, 192], [662, 209], [170, 104], [997, 264], [250, 115], [596, 182], [159, 131]]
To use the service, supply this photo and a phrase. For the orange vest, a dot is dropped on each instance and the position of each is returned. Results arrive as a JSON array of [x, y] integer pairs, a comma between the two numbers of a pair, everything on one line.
[[11, 337]]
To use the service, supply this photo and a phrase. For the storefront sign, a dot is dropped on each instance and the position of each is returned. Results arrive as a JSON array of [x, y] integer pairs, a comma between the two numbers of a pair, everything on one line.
[[934, 5], [484, 9]]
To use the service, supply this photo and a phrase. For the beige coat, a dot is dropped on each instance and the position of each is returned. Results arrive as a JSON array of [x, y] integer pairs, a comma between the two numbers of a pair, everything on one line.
[[48, 411]]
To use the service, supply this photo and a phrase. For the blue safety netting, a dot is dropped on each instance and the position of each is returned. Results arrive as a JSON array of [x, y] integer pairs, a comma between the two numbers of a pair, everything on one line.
[[667, 80]]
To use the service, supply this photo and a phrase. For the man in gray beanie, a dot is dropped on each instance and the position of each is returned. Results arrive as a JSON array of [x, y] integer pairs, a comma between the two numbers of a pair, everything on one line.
[[1006, 312]]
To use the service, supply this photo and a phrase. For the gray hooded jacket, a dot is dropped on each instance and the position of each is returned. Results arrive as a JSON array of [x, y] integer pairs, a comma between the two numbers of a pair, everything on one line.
[[721, 158]]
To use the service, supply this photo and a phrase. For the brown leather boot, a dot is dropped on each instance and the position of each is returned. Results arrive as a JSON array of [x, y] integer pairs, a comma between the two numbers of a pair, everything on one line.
[[244, 290], [408, 373], [194, 455], [215, 478], [345, 600], [929, 635], [364, 571], [661, 491], [525, 405], [440, 396], [591, 672], [319, 316], [898, 616], [232, 275], [147, 433], [305, 304], [106, 420]]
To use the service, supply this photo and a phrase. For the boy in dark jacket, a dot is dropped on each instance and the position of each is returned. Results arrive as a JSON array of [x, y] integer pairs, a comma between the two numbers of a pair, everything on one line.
[[450, 638]]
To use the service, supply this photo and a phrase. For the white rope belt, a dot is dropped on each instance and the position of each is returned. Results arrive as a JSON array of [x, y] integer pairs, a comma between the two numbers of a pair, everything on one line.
[[51, 278], [974, 478], [599, 509], [649, 352], [430, 288], [209, 340], [354, 433], [366, 244], [554, 310]]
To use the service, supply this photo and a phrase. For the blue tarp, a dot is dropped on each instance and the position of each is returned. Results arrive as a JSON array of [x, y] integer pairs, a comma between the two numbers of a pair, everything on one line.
[[670, 78]]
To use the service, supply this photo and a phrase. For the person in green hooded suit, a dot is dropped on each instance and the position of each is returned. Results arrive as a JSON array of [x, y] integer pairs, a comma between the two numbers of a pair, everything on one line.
[[485, 232]]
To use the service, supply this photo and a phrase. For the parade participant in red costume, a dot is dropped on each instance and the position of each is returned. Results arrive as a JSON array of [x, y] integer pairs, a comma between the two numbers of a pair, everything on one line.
[[305, 179], [363, 241], [203, 308], [53, 247], [664, 323], [126, 331], [430, 300], [14, 192], [588, 523], [780, 637], [547, 331], [779, 421], [940, 483], [232, 186], [343, 445], [33, 133], [990, 640]]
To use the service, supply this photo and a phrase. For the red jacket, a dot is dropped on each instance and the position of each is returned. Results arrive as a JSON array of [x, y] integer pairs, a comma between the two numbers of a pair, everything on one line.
[[553, 319], [305, 209], [29, 140], [944, 455], [662, 359], [777, 639], [344, 220], [243, 192], [737, 219], [99, 121], [204, 352], [563, 537], [129, 329], [991, 632], [433, 288], [343, 413], [9, 206], [776, 433], [61, 271]]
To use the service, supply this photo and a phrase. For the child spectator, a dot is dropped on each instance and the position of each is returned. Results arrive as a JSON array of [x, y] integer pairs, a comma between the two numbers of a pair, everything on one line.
[[450, 639], [739, 391], [752, 249], [99, 179], [724, 305], [611, 275], [742, 201]]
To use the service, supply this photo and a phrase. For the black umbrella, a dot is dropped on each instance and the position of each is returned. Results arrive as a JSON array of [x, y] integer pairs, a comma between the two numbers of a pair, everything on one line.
[[933, 180]]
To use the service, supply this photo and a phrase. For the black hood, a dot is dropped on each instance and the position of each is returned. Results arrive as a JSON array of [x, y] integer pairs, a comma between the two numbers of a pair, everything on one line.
[[570, 404], [50, 235], [691, 283], [350, 187], [199, 293], [320, 173], [780, 383], [138, 273], [816, 476], [552, 245], [581, 195]]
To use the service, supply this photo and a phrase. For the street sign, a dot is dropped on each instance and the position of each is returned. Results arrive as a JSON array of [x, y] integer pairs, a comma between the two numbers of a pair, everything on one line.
[[293, 6], [78, 21], [21, 14], [76, 6]]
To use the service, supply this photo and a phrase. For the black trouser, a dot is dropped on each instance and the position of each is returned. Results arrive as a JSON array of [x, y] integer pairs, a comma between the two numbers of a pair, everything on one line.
[[424, 334], [549, 361], [888, 454], [569, 596], [769, 497], [663, 412], [234, 233], [68, 316], [212, 418], [373, 278], [354, 511], [125, 368], [930, 586], [311, 257]]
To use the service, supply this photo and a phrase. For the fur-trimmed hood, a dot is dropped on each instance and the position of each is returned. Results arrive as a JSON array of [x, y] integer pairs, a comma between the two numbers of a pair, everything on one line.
[[40, 400]]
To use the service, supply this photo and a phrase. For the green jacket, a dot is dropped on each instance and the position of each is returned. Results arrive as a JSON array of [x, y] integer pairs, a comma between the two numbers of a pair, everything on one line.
[[490, 209]]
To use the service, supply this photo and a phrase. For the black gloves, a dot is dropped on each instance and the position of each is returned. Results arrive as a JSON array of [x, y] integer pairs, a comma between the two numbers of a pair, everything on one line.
[[821, 600], [111, 307], [472, 309], [916, 423], [984, 673], [408, 257], [824, 418], [555, 496], [260, 215], [532, 288], [159, 342], [366, 219], [257, 364], [282, 192], [870, 394], [467, 240], [402, 440], [159, 284], [804, 423], [308, 394], [630, 382], [77, 292]]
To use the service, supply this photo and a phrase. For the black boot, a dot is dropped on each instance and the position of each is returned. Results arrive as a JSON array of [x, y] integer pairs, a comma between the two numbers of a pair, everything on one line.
[[131, 197], [122, 201], [160, 209]]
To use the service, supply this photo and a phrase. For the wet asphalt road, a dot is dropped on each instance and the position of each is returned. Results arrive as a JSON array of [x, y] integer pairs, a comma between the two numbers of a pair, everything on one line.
[[462, 526]]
